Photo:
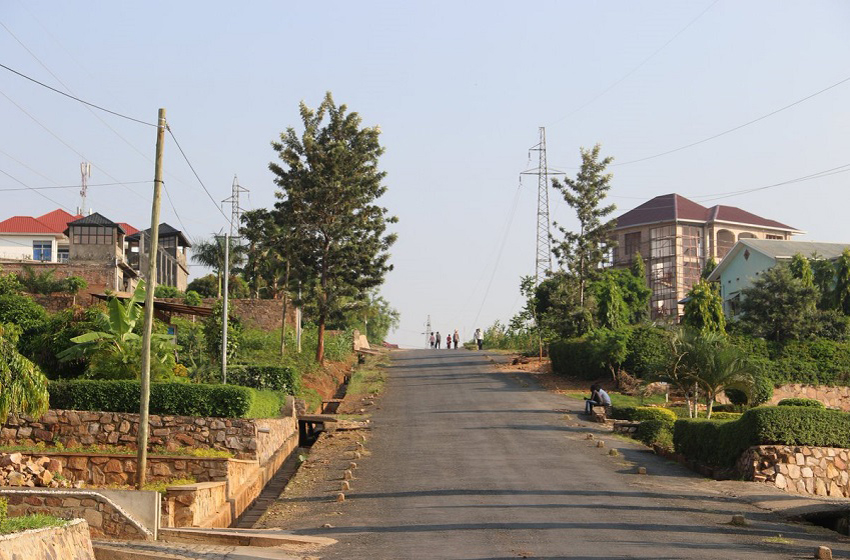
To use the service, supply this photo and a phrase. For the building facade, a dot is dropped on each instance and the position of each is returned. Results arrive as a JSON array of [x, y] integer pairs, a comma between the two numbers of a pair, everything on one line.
[[676, 236]]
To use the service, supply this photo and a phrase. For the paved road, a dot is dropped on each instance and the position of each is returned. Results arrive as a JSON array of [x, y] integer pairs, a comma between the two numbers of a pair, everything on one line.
[[469, 463]]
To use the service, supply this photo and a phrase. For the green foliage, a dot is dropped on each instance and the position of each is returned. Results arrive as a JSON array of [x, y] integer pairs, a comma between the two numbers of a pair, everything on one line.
[[329, 184], [817, 362], [29, 522], [610, 349], [10, 284], [814, 403], [21, 310], [656, 424], [213, 333], [55, 337], [576, 357], [778, 306], [511, 337], [648, 351], [709, 267], [841, 293], [584, 252], [184, 399], [704, 308], [163, 291], [824, 279], [23, 388], [205, 286], [721, 443], [114, 351], [276, 378], [73, 285], [192, 298], [43, 282], [610, 307], [802, 270]]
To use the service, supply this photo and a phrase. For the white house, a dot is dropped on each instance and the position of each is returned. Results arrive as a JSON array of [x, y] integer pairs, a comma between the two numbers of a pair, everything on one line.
[[38, 239], [751, 257]]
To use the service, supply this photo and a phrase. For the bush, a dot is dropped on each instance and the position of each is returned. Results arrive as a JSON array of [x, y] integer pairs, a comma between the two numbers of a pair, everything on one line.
[[165, 291], [276, 378], [22, 311], [575, 357], [720, 443], [648, 351], [182, 399], [623, 412], [814, 403], [656, 424], [192, 298]]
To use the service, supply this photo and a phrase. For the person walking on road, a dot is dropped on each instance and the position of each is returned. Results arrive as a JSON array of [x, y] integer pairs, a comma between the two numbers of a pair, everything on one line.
[[437, 344], [479, 338], [456, 338], [432, 340], [449, 341]]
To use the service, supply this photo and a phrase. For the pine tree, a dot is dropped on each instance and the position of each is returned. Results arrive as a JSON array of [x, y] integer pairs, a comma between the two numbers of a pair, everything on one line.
[[329, 182], [585, 251]]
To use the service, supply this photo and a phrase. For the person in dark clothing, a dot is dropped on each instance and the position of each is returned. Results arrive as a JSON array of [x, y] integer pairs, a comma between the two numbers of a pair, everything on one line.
[[598, 397], [437, 343]]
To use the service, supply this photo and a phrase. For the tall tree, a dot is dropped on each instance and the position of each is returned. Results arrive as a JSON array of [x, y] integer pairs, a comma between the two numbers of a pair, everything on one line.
[[704, 308], [841, 295], [823, 272], [709, 267], [585, 251], [778, 306], [329, 184], [800, 268], [211, 254]]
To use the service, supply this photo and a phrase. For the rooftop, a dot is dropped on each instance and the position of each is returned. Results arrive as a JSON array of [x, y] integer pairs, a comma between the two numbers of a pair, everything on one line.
[[675, 207], [781, 250]]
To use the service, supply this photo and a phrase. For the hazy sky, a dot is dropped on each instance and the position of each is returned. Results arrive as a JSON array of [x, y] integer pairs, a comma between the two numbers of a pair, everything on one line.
[[459, 90]]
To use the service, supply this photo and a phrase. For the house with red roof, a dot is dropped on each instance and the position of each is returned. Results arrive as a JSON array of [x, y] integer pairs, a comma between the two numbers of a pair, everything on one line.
[[676, 236], [108, 255]]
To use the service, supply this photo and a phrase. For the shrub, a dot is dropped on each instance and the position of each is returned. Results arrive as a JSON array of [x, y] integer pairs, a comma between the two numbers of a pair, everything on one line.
[[720, 443], [814, 403], [656, 424], [192, 298], [22, 311], [575, 357], [183, 399], [648, 351], [623, 412], [266, 404], [276, 378], [165, 291]]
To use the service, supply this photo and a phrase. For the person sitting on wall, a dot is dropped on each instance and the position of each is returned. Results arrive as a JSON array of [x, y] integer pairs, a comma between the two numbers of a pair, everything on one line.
[[598, 397]]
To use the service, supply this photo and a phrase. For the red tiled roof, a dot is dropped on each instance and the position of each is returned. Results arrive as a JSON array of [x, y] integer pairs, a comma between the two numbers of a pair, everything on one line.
[[24, 224], [128, 229], [674, 207], [58, 219]]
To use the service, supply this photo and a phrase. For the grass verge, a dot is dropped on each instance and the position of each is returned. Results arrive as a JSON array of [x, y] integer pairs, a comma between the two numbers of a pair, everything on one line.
[[370, 378]]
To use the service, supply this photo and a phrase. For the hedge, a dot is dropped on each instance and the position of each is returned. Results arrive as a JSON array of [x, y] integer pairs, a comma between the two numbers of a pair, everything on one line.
[[575, 357], [275, 378], [180, 399], [719, 443], [814, 403], [656, 424]]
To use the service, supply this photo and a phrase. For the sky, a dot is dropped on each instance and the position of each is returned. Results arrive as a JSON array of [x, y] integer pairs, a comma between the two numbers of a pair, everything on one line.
[[460, 90]]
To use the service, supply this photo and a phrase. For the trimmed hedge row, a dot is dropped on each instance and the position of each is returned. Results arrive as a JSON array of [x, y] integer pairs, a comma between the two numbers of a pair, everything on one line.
[[656, 424], [719, 443], [275, 378], [814, 403], [179, 399]]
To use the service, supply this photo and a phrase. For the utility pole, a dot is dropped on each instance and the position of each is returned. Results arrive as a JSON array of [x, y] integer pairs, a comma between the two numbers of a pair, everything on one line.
[[224, 308], [543, 254], [298, 321], [428, 331], [144, 398]]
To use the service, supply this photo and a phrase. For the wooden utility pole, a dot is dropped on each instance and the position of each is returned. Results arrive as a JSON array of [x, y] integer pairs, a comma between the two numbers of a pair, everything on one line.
[[283, 319], [144, 399]]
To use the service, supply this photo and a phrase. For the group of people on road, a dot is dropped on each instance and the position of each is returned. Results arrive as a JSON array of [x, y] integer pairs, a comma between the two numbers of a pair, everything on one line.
[[436, 339]]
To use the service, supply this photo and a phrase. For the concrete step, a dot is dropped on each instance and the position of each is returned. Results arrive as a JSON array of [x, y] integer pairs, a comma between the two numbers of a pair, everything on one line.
[[241, 537]]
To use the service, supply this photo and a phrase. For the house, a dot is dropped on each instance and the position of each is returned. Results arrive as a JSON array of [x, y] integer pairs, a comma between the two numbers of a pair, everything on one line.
[[104, 253], [675, 236], [751, 257]]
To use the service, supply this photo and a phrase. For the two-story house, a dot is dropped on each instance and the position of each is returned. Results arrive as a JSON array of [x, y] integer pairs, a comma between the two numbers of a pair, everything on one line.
[[675, 236]]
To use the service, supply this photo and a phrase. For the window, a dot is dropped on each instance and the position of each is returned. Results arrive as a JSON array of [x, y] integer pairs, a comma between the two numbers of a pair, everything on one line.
[[42, 250], [771, 236], [62, 254], [632, 245], [93, 235]]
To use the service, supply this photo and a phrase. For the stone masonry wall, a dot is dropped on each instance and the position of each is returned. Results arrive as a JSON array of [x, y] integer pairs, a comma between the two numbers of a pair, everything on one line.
[[71, 542], [256, 313], [105, 519], [832, 397], [820, 471], [74, 428]]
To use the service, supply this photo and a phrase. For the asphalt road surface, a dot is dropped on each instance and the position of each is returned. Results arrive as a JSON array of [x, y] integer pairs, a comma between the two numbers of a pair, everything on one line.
[[470, 463]]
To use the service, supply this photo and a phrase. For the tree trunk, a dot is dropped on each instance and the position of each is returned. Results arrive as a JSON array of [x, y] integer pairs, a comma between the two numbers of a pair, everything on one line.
[[320, 343], [690, 410], [709, 405], [283, 319]]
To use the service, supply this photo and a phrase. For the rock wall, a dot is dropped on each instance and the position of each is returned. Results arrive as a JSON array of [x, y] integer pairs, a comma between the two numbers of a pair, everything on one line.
[[192, 505], [832, 397], [256, 313], [245, 438], [820, 471], [71, 542], [104, 518]]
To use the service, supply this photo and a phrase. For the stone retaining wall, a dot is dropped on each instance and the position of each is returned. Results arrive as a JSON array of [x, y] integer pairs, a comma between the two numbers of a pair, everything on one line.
[[820, 471], [70, 542], [245, 438], [191, 505], [104, 518], [832, 397]]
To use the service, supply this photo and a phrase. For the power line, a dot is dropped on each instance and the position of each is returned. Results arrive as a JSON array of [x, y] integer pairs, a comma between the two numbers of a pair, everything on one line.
[[72, 186], [639, 66], [69, 96], [734, 128], [189, 163], [39, 193]]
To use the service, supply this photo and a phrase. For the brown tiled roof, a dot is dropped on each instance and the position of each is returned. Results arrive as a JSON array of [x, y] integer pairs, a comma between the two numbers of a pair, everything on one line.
[[675, 207]]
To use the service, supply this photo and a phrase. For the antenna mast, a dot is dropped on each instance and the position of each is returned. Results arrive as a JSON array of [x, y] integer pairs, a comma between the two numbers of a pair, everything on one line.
[[85, 172], [235, 209]]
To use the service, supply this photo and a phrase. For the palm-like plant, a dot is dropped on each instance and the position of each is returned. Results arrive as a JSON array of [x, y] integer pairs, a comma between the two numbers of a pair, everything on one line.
[[211, 254], [23, 387], [115, 349]]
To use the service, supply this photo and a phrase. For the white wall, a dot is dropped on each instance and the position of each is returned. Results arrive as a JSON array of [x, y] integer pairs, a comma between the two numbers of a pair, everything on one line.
[[20, 246]]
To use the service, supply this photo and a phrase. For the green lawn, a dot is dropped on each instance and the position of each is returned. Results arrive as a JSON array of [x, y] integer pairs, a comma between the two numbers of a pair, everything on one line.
[[27, 522], [619, 399]]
